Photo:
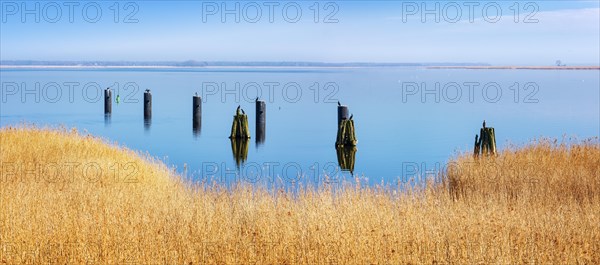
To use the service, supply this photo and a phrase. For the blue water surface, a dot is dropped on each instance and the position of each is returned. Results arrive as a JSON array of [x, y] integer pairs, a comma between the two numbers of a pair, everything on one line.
[[409, 121]]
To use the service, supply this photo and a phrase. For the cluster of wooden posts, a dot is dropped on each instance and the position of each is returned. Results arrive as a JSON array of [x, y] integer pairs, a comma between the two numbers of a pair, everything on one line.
[[240, 131], [485, 142], [240, 128]]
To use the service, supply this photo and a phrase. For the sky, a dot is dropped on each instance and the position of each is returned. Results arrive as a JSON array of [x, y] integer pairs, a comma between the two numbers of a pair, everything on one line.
[[495, 32]]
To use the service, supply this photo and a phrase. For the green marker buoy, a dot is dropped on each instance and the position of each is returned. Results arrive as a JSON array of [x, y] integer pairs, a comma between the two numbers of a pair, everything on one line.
[[118, 99]]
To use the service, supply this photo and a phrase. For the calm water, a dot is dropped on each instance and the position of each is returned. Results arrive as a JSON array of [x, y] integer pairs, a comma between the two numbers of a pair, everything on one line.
[[408, 121]]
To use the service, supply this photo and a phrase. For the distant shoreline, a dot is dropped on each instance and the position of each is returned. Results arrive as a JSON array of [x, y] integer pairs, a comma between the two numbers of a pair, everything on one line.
[[518, 67], [8, 64], [25, 67], [172, 67]]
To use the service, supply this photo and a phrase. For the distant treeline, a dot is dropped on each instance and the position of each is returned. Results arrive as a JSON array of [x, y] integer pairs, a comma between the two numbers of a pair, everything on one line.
[[192, 63]]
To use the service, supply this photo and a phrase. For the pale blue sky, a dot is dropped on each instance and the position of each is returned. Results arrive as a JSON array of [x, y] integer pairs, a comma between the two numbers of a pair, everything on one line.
[[366, 31]]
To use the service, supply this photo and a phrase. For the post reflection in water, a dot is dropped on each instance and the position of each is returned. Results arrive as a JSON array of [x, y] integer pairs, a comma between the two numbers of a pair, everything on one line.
[[346, 157], [147, 123], [107, 120], [239, 148]]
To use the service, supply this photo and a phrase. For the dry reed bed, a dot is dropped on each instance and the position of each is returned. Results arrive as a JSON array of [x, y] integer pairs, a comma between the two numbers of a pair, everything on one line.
[[539, 204]]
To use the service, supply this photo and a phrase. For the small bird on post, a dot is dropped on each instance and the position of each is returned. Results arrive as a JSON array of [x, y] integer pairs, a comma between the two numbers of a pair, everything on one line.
[[147, 90], [484, 124], [243, 112], [339, 104], [351, 116], [196, 94]]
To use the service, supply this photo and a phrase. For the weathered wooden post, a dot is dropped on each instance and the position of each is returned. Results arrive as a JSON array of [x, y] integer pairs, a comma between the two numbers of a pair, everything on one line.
[[197, 114], [492, 142], [484, 141], [239, 128], [345, 134], [343, 113], [240, 135], [346, 156], [147, 104], [107, 101], [486, 145], [261, 121], [477, 146]]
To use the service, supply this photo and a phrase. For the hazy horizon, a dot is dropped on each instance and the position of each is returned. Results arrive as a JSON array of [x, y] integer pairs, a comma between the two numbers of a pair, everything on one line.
[[199, 62], [194, 63]]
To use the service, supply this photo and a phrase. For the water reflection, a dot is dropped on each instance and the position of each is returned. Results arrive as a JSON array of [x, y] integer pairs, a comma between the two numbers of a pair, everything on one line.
[[346, 156], [239, 148], [147, 123], [107, 120], [313, 127]]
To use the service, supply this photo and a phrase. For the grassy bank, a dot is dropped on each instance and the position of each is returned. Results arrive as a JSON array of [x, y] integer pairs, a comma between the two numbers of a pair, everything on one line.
[[71, 198]]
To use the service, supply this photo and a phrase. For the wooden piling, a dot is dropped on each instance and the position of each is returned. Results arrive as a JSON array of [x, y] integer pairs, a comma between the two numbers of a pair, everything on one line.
[[240, 133], [486, 144], [261, 121], [343, 114], [493, 142], [196, 114], [240, 128], [346, 156], [483, 141], [477, 146], [147, 105], [346, 135], [107, 101]]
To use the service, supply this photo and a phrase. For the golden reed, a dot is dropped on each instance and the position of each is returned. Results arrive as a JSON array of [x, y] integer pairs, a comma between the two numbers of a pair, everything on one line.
[[69, 198]]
